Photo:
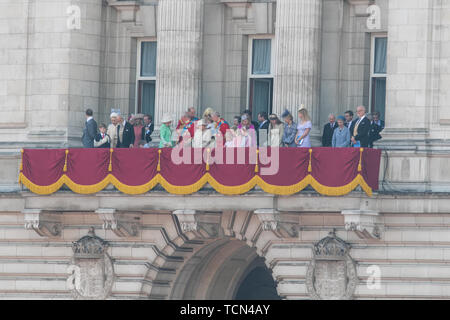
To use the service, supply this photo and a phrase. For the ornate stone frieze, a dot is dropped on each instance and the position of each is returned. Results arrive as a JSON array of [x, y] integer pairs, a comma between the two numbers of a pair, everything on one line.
[[272, 220], [331, 275], [91, 271], [46, 224], [122, 224], [365, 223]]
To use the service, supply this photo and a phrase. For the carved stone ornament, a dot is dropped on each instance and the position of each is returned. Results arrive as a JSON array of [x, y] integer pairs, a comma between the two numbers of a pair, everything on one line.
[[91, 271], [331, 274], [45, 224]]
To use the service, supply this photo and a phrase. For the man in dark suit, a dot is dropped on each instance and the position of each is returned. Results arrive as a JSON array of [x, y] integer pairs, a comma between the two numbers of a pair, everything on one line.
[[328, 131], [125, 133], [90, 130], [376, 126], [361, 128], [349, 121], [263, 129], [148, 128]]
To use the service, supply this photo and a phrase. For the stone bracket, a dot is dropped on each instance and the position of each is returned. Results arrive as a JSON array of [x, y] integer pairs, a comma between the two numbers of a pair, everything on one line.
[[202, 225], [127, 9], [45, 224], [272, 220], [122, 224], [365, 223]]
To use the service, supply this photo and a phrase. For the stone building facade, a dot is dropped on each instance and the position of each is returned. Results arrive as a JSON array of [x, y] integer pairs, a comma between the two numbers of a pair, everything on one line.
[[60, 57]]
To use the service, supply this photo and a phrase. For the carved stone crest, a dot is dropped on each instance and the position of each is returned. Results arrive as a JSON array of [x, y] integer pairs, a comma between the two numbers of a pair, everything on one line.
[[91, 269], [331, 274]]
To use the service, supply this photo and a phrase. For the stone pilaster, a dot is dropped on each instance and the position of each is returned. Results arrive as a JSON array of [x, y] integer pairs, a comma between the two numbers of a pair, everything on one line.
[[297, 62], [180, 24]]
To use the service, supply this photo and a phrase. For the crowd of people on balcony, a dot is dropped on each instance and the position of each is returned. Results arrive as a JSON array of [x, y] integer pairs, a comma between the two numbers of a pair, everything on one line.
[[212, 130]]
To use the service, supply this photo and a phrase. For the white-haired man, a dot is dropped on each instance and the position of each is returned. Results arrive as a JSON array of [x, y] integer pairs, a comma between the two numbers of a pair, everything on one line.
[[328, 131], [360, 132]]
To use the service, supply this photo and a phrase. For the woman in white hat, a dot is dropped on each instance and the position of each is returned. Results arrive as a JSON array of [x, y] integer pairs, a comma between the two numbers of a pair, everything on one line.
[[165, 132], [202, 135], [112, 129]]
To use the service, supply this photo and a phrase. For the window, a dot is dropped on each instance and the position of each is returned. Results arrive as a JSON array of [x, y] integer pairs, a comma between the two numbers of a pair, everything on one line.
[[260, 76], [146, 77], [378, 75]]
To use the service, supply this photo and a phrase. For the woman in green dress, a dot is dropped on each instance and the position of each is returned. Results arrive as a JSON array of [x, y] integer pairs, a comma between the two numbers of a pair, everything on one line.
[[165, 132]]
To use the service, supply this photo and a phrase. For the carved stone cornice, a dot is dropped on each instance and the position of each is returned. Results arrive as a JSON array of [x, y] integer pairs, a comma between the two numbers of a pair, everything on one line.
[[281, 226], [365, 223], [46, 224], [202, 225], [127, 9], [121, 223]]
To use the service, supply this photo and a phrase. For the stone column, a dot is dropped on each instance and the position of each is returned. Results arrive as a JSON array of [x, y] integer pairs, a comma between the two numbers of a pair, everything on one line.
[[297, 56], [178, 69]]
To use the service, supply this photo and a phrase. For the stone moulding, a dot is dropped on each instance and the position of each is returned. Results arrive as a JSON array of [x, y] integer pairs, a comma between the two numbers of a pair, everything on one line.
[[122, 224], [365, 223], [45, 224], [273, 220]]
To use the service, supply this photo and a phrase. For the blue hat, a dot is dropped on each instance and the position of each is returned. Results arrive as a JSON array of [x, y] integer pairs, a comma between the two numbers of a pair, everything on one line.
[[341, 118], [285, 113]]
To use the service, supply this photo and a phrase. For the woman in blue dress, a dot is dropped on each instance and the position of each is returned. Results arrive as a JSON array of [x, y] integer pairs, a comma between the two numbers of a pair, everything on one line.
[[303, 129]]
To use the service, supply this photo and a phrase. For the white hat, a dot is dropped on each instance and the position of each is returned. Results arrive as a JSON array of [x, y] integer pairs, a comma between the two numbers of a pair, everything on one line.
[[166, 118], [114, 115]]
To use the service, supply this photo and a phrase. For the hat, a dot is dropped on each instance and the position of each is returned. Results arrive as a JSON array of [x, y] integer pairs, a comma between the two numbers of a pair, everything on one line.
[[341, 118], [301, 108], [166, 118], [114, 115], [244, 117], [273, 116], [285, 113]]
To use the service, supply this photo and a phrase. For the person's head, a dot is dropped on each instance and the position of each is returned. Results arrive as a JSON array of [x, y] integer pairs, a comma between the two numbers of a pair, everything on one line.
[[248, 112], [113, 118], [89, 113], [119, 118], [348, 115], [303, 114], [215, 116], [236, 120], [262, 116], [376, 116], [288, 118], [245, 121], [142, 144], [147, 119], [341, 121], [102, 128], [361, 111], [185, 117], [166, 119], [201, 124], [331, 118], [137, 121], [191, 112], [273, 118]]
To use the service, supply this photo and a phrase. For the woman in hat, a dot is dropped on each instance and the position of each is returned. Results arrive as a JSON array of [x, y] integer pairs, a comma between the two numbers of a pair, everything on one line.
[[276, 130], [303, 129], [112, 129], [165, 132], [290, 129], [246, 134], [137, 122], [341, 136], [202, 136]]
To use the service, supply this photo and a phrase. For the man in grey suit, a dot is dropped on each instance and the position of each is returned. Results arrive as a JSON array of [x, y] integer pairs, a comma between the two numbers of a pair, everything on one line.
[[90, 130]]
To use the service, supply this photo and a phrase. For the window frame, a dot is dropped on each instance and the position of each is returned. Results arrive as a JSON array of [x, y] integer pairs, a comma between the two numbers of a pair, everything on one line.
[[250, 75], [140, 78], [374, 75]]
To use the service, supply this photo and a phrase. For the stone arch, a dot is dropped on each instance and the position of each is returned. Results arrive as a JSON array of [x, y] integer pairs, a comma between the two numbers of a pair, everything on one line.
[[214, 253]]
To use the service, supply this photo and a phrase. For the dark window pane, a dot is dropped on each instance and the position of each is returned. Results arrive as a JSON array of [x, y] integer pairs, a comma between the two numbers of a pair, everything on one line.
[[380, 55], [260, 96], [261, 56], [147, 97], [379, 96], [148, 59]]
